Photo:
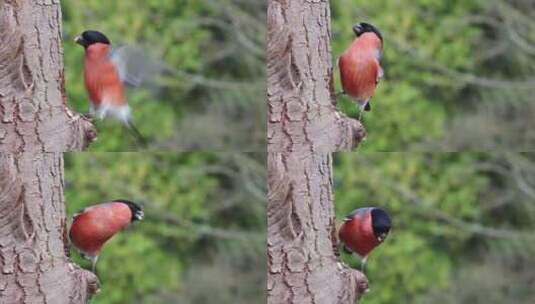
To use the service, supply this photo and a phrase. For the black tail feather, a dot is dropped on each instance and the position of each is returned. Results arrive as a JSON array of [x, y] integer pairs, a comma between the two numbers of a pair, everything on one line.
[[368, 107], [141, 140]]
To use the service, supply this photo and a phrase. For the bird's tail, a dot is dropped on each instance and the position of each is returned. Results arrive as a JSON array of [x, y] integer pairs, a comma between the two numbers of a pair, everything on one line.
[[364, 107], [141, 140], [367, 107]]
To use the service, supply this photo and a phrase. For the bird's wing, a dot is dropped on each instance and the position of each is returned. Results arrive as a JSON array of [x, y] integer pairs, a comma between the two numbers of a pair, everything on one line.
[[355, 212], [77, 213], [350, 216], [378, 54], [135, 67]]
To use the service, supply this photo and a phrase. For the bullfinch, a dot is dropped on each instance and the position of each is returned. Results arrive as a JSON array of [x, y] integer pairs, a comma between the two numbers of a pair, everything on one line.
[[359, 65], [106, 72], [363, 230], [93, 226]]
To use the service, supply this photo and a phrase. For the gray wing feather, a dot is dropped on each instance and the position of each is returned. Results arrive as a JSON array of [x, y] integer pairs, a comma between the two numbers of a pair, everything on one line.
[[134, 66], [354, 212]]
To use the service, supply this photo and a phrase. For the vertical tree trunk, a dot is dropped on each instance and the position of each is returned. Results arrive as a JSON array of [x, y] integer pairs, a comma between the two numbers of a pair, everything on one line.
[[34, 262], [301, 98], [33, 110], [34, 266], [302, 255], [303, 128]]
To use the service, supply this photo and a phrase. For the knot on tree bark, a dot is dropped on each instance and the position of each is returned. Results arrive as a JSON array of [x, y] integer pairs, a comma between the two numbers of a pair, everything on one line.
[[88, 282], [357, 281], [84, 132], [93, 285], [352, 133]]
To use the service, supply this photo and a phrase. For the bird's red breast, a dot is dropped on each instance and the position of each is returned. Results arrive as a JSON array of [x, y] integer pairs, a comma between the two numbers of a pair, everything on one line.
[[359, 66], [101, 76], [97, 224], [357, 233]]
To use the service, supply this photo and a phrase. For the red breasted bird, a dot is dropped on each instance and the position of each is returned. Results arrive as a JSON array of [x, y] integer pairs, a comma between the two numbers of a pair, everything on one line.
[[94, 225], [360, 68], [105, 73], [364, 229]]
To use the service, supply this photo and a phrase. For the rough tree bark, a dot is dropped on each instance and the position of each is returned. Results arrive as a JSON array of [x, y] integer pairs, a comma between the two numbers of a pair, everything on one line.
[[34, 263], [301, 97], [303, 260], [33, 110], [35, 120], [304, 127]]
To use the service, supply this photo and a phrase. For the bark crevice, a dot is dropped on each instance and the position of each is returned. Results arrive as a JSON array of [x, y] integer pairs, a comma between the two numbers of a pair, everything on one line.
[[34, 266], [303, 265], [301, 98], [304, 127], [34, 114]]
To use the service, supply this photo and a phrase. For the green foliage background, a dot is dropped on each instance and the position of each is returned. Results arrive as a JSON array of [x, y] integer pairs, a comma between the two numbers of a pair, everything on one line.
[[411, 103], [462, 224], [412, 187], [211, 93], [457, 78], [204, 231]]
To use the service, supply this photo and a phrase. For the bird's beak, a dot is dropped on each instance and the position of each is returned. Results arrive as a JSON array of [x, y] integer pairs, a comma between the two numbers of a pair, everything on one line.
[[382, 237], [357, 29], [78, 39], [140, 215]]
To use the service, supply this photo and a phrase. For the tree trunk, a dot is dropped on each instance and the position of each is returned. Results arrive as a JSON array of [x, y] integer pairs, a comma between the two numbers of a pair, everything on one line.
[[304, 127], [34, 262], [301, 97], [33, 109], [302, 245]]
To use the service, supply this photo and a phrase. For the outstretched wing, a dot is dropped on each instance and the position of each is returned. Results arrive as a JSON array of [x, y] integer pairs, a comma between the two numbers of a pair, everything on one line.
[[135, 67]]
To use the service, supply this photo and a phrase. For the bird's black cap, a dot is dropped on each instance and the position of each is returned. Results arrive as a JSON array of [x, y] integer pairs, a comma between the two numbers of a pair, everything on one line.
[[363, 27], [137, 210], [88, 38], [381, 222]]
